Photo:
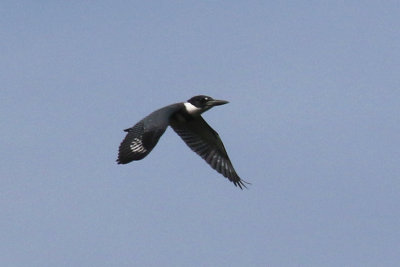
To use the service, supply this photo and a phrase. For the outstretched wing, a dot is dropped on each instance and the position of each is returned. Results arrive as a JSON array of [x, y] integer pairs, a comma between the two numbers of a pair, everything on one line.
[[203, 140], [144, 135]]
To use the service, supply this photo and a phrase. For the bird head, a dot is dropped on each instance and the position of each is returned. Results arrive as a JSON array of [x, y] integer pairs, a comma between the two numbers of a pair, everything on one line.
[[199, 104]]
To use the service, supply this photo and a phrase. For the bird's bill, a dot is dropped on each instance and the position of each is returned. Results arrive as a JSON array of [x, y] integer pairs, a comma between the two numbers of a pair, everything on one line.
[[217, 102]]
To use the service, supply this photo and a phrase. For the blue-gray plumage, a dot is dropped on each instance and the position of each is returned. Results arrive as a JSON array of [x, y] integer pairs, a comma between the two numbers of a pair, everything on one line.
[[185, 118]]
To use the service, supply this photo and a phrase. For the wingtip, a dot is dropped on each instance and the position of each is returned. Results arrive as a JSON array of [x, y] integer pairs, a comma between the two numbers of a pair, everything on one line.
[[241, 183], [122, 162]]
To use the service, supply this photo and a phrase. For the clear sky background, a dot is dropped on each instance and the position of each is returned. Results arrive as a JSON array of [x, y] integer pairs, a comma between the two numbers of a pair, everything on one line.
[[313, 123]]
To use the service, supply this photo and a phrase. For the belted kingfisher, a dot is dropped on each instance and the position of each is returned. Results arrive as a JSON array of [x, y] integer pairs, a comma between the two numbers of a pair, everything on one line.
[[185, 118]]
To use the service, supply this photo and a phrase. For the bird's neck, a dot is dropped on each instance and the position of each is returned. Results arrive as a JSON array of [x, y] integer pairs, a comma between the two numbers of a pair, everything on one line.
[[192, 109]]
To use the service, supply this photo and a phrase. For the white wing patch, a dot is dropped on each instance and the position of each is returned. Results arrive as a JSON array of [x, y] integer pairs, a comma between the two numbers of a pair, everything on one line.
[[137, 146]]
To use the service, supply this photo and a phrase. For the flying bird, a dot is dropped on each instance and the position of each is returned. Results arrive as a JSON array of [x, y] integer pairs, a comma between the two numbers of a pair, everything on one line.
[[186, 120]]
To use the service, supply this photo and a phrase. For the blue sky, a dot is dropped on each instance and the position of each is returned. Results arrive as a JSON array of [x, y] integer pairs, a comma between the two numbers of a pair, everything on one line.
[[313, 123]]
